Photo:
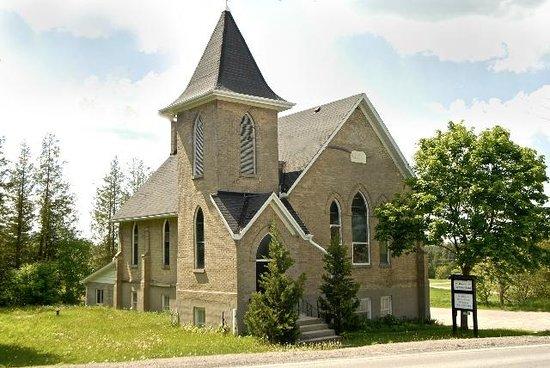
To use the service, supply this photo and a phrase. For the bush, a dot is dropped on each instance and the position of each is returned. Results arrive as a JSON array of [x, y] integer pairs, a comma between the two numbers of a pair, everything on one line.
[[272, 314], [36, 284], [338, 302]]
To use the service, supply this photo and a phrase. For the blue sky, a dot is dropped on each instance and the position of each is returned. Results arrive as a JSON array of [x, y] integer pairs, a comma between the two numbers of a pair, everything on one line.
[[95, 73]]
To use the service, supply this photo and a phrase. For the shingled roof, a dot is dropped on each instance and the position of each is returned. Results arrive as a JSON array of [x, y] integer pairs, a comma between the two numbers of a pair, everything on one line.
[[156, 197], [303, 134], [226, 65]]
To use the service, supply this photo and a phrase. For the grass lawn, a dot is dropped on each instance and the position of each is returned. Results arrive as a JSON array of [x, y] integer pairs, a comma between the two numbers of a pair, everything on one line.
[[85, 334], [416, 332], [34, 336], [440, 297]]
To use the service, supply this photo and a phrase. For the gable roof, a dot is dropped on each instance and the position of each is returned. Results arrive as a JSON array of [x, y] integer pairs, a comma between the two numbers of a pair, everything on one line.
[[303, 136], [231, 207], [105, 275], [157, 197], [227, 65], [238, 209]]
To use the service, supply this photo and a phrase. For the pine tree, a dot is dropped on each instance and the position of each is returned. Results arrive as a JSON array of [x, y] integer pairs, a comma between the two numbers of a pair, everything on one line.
[[338, 301], [108, 199], [272, 314], [20, 217], [56, 216], [138, 173], [3, 191]]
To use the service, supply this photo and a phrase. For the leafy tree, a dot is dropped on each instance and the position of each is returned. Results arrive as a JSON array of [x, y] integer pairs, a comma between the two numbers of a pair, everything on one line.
[[72, 265], [138, 173], [480, 197], [339, 302], [36, 284], [56, 217], [20, 217], [108, 199], [272, 314]]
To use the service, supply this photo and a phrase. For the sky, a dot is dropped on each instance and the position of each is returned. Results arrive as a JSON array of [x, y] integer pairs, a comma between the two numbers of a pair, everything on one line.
[[96, 73]]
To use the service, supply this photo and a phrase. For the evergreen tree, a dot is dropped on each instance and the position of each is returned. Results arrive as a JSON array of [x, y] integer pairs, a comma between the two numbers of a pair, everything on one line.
[[20, 217], [3, 191], [272, 314], [339, 302], [108, 199], [56, 216], [138, 173]]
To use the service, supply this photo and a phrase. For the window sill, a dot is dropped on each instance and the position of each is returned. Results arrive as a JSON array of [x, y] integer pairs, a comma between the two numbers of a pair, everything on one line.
[[166, 267], [133, 266], [385, 265], [199, 270], [361, 265], [249, 176], [197, 177]]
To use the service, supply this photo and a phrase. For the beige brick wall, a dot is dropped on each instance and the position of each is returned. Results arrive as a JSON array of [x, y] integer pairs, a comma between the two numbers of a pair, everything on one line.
[[91, 288], [151, 237], [334, 176]]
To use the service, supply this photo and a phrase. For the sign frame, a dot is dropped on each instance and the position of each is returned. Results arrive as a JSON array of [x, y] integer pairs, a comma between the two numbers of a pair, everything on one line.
[[464, 285]]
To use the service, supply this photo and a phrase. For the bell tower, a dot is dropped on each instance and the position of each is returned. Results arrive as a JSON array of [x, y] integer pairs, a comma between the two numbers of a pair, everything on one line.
[[226, 119]]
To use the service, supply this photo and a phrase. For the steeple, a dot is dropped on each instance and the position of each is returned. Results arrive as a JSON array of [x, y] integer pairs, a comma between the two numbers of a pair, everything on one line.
[[227, 70]]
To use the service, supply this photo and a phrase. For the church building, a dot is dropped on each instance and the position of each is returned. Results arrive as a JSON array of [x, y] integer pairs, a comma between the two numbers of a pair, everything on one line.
[[193, 239]]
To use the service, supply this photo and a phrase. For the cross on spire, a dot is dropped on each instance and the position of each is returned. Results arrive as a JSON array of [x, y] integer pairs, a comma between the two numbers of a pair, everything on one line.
[[227, 5]]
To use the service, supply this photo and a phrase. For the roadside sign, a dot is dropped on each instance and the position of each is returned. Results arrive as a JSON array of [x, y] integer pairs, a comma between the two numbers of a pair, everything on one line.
[[463, 298]]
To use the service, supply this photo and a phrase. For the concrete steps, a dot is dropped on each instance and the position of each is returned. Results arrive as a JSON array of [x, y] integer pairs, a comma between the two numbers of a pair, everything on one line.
[[315, 331]]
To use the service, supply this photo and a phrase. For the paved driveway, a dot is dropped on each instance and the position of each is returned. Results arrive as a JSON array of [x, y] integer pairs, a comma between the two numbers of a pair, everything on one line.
[[487, 318]]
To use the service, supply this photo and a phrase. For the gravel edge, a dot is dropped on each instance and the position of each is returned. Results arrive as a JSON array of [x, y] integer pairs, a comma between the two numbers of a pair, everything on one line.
[[309, 355]]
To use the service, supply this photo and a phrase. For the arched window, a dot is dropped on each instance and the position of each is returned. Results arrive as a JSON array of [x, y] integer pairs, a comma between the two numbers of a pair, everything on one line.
[[199, 240], [166, 244], [135, 245], [262, 260], [248, 146], [198, 148], [360, 252], [335, 223]]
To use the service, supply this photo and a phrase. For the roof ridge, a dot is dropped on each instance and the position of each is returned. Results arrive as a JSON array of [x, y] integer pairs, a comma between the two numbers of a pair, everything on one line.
[[358, 95]]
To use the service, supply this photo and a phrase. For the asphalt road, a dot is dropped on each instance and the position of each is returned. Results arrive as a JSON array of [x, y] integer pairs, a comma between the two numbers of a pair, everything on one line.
[[532, 356]]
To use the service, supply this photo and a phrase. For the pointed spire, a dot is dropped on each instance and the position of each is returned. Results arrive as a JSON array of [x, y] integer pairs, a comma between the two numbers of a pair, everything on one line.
[[227, 67]]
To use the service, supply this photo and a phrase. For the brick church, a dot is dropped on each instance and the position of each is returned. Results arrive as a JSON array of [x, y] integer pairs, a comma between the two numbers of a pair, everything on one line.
[[193, 239]]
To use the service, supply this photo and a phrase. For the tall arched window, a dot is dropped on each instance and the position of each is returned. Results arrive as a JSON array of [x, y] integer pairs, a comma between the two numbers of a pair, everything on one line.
[[166, 244], [262, 260], [335, 223], [198, 148], [360, 252], [248, 146], [135, 245], [199, 240]]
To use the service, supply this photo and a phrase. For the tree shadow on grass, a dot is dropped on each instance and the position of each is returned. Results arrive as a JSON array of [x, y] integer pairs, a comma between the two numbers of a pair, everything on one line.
[[19, 356]]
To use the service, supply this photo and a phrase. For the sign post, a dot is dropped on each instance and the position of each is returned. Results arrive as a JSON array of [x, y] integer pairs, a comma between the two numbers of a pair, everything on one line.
[[463, 298]]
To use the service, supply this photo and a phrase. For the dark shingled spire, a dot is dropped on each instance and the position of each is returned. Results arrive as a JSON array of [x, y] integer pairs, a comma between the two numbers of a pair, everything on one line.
[[226, 65]]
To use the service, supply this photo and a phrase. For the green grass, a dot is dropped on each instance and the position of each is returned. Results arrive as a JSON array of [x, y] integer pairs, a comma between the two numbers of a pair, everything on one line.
[[417, 332], [34, 336], [81, 334], [441, 298]]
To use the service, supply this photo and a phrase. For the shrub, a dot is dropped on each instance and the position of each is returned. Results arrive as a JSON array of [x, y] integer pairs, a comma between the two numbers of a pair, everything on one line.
[[36, 284], [338, 303], [272, 314]]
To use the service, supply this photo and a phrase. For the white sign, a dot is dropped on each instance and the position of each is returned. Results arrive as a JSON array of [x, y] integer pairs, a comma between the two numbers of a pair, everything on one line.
[[464, 301], [463, 285]]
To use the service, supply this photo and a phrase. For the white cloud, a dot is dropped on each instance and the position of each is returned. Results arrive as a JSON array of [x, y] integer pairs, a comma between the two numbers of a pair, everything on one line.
[[294, 42], [510, 35]]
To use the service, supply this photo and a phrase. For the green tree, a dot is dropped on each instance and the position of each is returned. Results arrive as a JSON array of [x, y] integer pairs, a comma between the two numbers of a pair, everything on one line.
[[480, 197], [4, 169], [21, 208], [138, 173], [272, 314], [72, 265], [108, 199], [338, 302], [56, 215]]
